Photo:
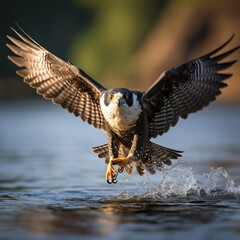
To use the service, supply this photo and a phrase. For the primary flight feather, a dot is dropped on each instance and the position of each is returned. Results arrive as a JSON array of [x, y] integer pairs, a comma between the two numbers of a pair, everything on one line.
[[130, 118]]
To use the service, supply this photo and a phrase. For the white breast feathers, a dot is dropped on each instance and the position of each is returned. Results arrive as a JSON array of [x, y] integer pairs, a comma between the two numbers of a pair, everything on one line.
[[123, 117]]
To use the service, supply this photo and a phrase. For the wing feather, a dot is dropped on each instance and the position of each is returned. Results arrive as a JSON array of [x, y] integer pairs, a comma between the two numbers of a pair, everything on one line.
[[186, 89], [57, 80]]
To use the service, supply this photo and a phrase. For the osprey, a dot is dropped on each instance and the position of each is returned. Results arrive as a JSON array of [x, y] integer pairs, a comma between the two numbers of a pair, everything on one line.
[[130, 118]]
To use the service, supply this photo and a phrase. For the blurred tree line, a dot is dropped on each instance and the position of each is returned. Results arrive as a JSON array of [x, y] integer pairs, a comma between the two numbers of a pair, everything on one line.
[[124, 43]]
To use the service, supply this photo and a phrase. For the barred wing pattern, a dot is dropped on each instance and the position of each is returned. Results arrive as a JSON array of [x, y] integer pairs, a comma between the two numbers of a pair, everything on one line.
[[57, 80], [185, 89]]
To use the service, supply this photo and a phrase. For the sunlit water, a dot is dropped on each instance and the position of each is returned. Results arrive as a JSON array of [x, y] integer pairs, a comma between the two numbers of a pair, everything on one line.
[[53, 187]]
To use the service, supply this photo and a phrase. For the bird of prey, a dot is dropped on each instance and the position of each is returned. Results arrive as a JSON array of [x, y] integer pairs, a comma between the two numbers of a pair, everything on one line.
[[130, 118]]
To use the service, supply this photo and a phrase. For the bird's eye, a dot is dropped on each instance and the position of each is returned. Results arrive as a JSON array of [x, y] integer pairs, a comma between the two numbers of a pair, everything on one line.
[[110, 97]]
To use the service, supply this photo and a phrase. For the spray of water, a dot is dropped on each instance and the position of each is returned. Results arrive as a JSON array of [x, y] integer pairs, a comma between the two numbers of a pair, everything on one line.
[[182, 183]]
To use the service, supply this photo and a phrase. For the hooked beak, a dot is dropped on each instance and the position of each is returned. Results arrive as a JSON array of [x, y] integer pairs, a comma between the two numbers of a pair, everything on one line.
[[120, 101]]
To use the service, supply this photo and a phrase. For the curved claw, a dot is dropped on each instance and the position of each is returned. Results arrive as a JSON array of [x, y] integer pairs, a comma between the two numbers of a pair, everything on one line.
[[111, 174], [114, 181], [121, 169], [109, 182], [114, 175], [121, 162]]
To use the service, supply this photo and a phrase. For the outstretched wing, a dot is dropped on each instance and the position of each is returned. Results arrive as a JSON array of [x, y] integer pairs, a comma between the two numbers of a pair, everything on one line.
[[185, 89], [57, 80]]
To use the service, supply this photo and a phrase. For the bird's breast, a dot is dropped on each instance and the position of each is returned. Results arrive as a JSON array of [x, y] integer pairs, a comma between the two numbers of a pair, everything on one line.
[[121, 118]]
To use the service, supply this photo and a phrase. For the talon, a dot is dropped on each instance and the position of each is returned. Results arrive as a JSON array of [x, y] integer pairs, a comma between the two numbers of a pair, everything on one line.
[[115, 181], [111, 174], [109, 182], [122, 162], [114, 174], [121, 169]]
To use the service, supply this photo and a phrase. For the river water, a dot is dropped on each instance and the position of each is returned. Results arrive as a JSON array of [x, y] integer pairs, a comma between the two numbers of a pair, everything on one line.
[[53, 187]]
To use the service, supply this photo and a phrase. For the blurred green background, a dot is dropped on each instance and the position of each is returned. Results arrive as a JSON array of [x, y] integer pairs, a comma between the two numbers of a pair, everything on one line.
[[125, 43]]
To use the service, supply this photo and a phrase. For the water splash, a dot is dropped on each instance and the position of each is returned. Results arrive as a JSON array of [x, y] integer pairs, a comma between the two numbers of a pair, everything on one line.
[[182, 183]]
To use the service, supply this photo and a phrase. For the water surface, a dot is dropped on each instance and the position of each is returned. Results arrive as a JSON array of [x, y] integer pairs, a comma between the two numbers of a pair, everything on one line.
[[53, 187]]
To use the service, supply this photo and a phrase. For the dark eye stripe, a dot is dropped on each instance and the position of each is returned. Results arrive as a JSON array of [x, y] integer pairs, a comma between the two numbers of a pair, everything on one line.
[[127, 95], [106, 99], [129, 99]]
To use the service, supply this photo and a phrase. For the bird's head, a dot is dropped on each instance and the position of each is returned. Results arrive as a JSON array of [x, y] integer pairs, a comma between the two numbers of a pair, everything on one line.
[[118, 97], [121, 107]]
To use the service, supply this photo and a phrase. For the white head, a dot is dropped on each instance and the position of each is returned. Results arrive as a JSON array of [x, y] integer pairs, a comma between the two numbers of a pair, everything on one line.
[[120, 108]]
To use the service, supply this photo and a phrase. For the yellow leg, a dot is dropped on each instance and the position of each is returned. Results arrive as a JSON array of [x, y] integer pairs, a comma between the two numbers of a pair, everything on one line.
[[111, 173], [121, 162]]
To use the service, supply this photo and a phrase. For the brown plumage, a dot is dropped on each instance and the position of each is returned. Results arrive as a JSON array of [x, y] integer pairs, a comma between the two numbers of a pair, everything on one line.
[[58, 80], [131, 118]]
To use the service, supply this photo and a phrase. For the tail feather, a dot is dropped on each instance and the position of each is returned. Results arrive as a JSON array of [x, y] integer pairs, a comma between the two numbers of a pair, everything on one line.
[[160, 156], [154, 158], [102, 151]]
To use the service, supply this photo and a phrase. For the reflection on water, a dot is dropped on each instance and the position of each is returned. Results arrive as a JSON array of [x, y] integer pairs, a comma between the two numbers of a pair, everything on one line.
[[53, 187], [112, 218], [106, 218]]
